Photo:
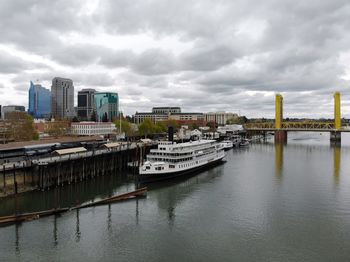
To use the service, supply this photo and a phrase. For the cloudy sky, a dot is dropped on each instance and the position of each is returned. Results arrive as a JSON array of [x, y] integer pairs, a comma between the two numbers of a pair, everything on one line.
[[201, 55]]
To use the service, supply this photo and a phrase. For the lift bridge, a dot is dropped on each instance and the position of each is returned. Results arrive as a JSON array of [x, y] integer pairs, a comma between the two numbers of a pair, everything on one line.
[[281, 127]]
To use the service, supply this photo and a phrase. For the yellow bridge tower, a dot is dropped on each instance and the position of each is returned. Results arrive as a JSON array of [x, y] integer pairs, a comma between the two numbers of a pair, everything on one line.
[[337, 115], [280, 135], [278, 111], [336, 135]]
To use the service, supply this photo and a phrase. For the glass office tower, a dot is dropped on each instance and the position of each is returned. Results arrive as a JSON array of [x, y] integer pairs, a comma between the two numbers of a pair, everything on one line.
[[107, 104], [39, 101]]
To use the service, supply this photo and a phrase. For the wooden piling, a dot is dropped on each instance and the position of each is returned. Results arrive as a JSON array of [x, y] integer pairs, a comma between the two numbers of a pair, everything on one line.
[[4, 177], [14, 178], [24, 174]]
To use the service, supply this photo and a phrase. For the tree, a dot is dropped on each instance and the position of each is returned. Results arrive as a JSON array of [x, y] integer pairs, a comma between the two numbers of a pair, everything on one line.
[[20, 126], [129, 119], [160, 127], [75, 119], [58, 128], [237, 120], [173, 123], [243, 119], [194, 126], [212, 125], [146, 127], [126, 127]]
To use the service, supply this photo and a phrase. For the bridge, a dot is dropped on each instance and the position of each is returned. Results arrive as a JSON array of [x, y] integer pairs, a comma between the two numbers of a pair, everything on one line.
[[280, 127]]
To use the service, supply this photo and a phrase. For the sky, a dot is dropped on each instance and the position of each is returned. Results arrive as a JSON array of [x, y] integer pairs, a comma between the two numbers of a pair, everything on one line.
[[204, 56]]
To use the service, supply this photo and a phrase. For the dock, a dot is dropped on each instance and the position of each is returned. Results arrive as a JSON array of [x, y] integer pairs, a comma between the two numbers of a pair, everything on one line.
[[65, 167]]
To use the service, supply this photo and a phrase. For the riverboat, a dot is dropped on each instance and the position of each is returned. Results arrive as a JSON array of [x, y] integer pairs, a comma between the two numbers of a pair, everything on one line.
[[172, 160], [227, 144], [244, 143]]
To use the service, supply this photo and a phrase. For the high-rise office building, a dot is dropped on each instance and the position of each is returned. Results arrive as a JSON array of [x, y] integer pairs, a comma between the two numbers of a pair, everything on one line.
[[62, 98], [39, 101], [107, 104], [86, 104]]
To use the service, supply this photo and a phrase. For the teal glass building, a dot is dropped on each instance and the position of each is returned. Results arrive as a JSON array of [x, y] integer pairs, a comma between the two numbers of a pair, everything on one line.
[[107, 106]]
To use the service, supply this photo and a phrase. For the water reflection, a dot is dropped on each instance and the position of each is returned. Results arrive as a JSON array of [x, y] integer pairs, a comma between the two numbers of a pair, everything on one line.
[[279, 159], [336, 161], [170, 194], [17, 239], [55, 234], [66, 196], [77, 229], [109, 217], [137, 212]]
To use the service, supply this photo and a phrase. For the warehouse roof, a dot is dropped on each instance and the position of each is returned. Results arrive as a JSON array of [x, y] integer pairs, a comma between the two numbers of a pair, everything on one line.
[[73, 150], [111, 145]]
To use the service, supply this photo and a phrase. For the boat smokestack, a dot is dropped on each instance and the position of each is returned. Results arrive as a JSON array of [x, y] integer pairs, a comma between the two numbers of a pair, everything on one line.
[[171, 133]]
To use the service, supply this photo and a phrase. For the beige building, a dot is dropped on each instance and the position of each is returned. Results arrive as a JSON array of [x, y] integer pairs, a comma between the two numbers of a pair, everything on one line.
[[187, 116], [155, 117], [92, 128], [219, 117], [164, 114]]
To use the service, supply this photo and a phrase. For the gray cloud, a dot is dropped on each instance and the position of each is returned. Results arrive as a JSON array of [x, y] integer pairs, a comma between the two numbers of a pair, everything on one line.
[[154, 62], [10, 64], [207, 59]]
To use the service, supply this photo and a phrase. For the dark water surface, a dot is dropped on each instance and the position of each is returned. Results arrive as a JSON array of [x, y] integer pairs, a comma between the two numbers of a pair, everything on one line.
[[266, 203]]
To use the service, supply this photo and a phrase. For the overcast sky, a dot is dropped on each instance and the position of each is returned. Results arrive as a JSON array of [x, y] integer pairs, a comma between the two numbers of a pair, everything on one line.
[[200, 55]]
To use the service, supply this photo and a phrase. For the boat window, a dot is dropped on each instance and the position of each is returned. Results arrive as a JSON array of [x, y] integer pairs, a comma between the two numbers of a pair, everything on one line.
[[171, 166], [148, 167]]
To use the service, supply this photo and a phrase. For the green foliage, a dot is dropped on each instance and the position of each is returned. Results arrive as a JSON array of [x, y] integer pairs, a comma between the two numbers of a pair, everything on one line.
[[146, 127], [194, 126], [125, 125], [173, 123], [237, 120], [20, 126], [36, 136], [58, 128], [160, 127]]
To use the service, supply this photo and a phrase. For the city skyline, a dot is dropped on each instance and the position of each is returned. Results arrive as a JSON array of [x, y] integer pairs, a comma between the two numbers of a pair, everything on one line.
[[226, 56]]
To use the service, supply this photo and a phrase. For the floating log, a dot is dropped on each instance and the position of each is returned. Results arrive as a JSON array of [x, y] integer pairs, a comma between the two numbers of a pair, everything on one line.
[[130, 195], [30, 216], [6, 220]]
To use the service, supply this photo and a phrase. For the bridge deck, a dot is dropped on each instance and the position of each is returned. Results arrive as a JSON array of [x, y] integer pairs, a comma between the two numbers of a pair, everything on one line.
[[306, 126], [297, 130]]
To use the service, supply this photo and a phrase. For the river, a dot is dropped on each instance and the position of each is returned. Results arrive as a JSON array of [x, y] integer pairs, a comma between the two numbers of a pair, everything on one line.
[[267, 202]]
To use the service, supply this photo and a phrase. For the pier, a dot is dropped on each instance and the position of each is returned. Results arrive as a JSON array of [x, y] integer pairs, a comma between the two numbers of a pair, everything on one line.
[[73, 167]]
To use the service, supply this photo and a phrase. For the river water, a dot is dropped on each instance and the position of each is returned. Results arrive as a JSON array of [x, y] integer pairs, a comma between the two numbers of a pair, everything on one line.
[[267, 202]]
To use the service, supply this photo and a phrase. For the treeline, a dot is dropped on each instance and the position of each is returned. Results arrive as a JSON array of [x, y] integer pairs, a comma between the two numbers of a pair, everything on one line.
[[146, 128]]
